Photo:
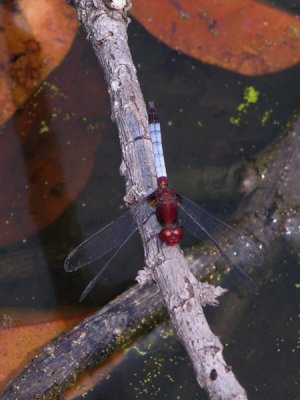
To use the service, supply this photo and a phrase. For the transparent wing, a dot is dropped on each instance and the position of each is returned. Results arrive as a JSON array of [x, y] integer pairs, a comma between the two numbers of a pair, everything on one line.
[[203, 225], [96, 277], [110, 237]]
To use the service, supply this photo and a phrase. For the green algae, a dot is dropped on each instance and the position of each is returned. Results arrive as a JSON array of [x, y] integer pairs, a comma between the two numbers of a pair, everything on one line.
[[250, 96]]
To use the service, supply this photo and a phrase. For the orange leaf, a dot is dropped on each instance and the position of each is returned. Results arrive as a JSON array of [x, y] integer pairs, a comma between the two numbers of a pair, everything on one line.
[[49, 147], [245, 36], [94, 376], [35, 36]]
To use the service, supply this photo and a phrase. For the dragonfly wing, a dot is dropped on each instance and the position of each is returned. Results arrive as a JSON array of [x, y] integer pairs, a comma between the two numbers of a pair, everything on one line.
[[112, 237], [202, 225], [245, 278], [102, 242], [96, 277]]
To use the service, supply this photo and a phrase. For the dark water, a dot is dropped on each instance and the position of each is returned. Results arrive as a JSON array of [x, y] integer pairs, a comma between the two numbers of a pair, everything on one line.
[[203, 128], [287, 5]]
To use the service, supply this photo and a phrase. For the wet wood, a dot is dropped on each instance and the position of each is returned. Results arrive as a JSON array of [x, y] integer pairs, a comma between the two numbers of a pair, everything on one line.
[[93, 340]]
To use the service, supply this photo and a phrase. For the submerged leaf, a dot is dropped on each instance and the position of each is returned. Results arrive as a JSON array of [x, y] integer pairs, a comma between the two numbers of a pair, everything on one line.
[[245, 36], [49, 147], [34, 37]]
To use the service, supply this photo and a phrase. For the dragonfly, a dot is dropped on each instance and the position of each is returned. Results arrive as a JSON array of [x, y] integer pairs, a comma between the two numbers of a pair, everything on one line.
[[173, 212]]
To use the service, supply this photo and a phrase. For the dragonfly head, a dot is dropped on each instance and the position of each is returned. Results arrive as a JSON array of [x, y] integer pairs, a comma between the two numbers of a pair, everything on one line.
[[162, 182], [171, 236]]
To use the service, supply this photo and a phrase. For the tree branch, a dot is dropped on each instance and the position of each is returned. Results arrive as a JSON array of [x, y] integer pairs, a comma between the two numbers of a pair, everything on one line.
[[183, 295]]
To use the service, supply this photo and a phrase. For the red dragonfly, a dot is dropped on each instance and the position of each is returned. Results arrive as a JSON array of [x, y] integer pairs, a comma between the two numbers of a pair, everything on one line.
[[172, 211]]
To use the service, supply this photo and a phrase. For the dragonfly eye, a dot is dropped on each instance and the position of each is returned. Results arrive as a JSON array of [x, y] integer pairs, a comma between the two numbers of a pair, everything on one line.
[[178, 232], [171, 236], [165, 234]]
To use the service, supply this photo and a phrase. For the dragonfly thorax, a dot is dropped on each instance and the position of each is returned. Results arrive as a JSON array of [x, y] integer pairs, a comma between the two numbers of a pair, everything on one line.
[[167, 214], [166, 206]]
